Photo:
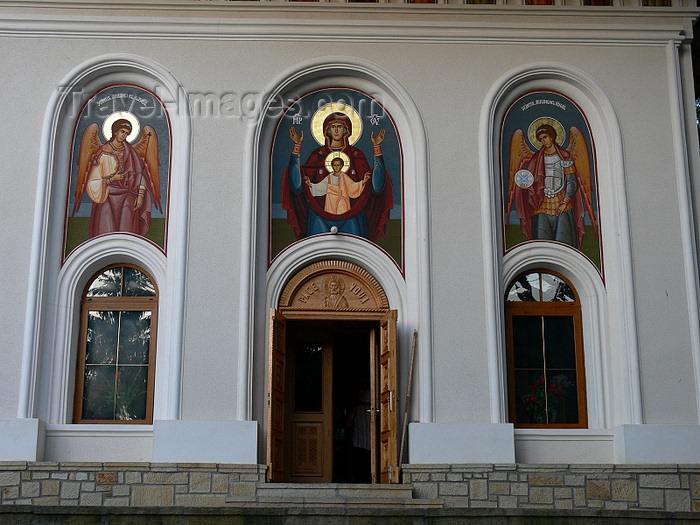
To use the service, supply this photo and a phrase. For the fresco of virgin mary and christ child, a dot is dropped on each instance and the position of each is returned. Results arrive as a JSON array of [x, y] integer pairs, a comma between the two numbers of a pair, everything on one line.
[[336, 169], [549, 175], [119, 167]]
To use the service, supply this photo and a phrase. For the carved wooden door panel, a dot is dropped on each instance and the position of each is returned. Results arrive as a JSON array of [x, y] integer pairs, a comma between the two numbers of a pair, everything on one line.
[[276, 397], [388, 409], [310, 396]]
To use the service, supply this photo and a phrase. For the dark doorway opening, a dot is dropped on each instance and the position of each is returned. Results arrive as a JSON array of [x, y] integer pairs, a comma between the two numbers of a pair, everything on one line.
[[332, 382]]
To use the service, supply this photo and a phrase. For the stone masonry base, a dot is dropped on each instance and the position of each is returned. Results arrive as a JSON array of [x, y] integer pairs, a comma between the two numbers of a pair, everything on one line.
[[589, 488]]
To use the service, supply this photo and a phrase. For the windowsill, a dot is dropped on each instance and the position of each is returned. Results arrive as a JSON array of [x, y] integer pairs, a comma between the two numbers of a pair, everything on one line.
[[99, 430], [563, 434]]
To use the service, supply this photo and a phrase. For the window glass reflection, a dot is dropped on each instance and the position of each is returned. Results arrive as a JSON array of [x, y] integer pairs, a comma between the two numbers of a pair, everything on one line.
[[544, 287], [107, 284], [136, 283]]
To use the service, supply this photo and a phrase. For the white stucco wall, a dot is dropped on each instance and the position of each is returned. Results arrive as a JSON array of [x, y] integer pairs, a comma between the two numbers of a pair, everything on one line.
[[447, 69]]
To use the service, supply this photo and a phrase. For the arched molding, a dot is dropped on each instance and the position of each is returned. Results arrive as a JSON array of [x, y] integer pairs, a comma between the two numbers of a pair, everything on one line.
[[317, 253], [584, 277], [79, 268], [297, 291], [618, 348], [48, 280], [408, 293]]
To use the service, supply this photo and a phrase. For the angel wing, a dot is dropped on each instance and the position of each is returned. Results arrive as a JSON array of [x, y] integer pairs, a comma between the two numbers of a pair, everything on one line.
[[89, 144], [147, 149], [580, 155], [520, 153]]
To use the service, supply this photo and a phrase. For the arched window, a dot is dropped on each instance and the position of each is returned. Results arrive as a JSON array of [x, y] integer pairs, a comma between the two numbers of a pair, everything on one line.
[[116, 348], [544, 341]]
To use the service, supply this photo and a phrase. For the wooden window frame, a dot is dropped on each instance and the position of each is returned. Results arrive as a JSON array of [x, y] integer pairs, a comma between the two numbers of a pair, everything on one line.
[[116, 304], [546, 309]]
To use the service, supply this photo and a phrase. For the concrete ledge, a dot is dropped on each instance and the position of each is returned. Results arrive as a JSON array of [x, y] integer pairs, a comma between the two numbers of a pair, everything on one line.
[[324, 516], [22, 439], [433, 443], [233, 442], [654, 444]]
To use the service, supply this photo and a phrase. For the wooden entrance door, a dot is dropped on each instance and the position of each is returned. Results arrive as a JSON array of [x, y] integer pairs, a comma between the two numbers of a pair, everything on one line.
[[300, 437], [310, 414], [301, 401]]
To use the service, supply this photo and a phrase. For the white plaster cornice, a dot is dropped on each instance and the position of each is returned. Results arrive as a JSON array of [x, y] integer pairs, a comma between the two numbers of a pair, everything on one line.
[[346, 22]]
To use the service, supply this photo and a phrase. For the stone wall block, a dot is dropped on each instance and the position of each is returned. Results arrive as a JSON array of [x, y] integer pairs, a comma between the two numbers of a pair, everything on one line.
[[31, 489], [165, 478], [596, 489], [625, 490], [121, 490], [246, 491], [153, 496], [478, 489], [541, 495], [50, 488], [219, 483], [46, 500], [10, 493], [104, 478], [563, 493], [579, 497], [499, 488], [132, 477], [9, 478], [695, 486], [540, 479], [651, 498], [91, 499], [677, 501], [519, 489], [507, 502], [453, 489], [660, 481], [200, 482], [563, 504]]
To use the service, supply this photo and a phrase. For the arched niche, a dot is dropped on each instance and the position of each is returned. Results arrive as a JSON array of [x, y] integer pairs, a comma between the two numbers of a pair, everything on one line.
[[261, 286], [613, 304], [55, 284]]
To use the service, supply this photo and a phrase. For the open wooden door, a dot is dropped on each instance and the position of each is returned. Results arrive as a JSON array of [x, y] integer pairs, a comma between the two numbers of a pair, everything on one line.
[[388, 409], [276, 397]]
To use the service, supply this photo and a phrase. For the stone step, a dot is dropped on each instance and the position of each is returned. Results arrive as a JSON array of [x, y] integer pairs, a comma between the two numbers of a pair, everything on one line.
[[348, 503], [331, 491]]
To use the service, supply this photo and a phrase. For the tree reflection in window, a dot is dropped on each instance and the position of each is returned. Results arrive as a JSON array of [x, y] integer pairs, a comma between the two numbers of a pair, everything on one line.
[[545, 355], [116, 357]]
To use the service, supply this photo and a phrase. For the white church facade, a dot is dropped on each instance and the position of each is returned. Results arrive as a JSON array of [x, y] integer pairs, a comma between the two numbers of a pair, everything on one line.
[[447, 245]]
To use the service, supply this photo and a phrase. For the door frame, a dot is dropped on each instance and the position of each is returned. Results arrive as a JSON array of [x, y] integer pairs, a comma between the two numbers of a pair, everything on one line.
[[329, 291]]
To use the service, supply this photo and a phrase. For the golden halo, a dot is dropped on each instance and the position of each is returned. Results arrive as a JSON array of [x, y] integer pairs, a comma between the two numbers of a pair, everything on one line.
[[335, 155], [336, 107], [561, 134], [135, 125]]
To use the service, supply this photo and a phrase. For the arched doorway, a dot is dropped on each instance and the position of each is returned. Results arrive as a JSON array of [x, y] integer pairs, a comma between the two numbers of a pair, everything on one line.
[[332, 379]]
